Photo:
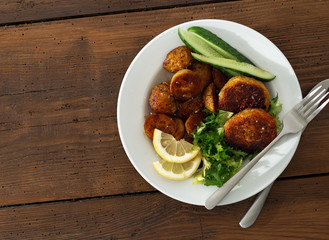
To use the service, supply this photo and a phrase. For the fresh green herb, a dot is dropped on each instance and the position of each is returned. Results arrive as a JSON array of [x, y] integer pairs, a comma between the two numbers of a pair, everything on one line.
[[274, 109], [220, 160]]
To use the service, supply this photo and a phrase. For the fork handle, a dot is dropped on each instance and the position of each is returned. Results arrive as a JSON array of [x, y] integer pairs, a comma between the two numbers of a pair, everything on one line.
[[250, 217], [220, 193]]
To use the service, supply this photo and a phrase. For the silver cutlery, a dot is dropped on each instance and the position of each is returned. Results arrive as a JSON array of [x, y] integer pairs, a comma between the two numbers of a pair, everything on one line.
[[252, 214], [294, 121]]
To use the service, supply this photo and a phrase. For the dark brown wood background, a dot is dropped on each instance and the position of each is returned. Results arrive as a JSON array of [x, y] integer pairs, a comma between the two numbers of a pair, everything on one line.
[[63, 171]]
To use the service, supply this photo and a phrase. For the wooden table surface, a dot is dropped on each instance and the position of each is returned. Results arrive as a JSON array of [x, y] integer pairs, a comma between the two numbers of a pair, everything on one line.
[[64, 173]]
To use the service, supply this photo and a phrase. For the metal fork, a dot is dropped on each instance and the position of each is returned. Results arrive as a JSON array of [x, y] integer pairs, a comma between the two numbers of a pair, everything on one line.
[[252, 214], [294, 121]]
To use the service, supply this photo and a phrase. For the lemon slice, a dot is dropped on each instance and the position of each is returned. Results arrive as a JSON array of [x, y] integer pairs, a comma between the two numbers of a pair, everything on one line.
[[177, 171], [172, 150]]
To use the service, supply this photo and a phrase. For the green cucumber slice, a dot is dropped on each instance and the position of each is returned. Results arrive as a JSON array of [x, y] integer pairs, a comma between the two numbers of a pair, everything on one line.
[[244, 68], [222, 47], [199, 46]]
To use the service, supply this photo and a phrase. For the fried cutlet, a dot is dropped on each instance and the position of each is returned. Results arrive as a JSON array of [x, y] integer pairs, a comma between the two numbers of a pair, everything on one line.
[[243, 92], [250, 130]]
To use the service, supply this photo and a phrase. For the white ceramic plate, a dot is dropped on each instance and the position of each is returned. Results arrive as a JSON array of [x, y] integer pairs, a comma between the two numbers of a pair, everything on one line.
[[146, 71]]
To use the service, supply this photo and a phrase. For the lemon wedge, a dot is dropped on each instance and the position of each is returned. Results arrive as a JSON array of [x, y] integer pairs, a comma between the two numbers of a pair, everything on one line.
[[172, 150], [177, 171]]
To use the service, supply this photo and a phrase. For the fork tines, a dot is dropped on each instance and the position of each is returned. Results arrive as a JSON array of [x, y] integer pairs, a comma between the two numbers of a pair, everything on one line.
[[309, 104]]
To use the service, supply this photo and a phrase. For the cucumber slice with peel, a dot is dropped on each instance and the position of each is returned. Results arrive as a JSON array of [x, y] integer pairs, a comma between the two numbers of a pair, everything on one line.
[[222, 47], [244, 68], [199, 46]]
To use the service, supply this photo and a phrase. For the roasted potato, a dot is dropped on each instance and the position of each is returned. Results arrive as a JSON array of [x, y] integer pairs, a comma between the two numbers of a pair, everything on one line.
[[185, 84], [250, 130], [190, 106], [193, 122], [219, 78], [180, 129], [209, 98], [242, 92], [178, 59], [161, 100], [204, 71], [161, 122]]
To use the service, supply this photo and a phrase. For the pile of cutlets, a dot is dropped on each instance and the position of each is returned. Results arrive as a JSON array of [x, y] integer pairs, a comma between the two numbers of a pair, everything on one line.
[[177, 106], [251, 128]]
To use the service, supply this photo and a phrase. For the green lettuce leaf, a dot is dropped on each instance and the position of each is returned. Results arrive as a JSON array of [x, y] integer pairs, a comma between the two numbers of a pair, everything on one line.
[[274, 109], [220, 160]]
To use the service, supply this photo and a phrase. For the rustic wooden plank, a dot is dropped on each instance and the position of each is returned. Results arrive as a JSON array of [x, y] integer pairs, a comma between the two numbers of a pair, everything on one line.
[[312, 146], [64, 92], [60, 81], [291, 210], [295, 209], [39, 10]]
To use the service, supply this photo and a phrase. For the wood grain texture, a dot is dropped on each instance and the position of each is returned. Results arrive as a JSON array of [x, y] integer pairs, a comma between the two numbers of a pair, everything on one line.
[[296, 209], [40, 10], [60, 82]]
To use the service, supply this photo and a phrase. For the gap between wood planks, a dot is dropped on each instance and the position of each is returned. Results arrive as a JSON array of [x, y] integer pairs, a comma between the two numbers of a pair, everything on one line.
[[138, 193], [76, 199], [113, 12]]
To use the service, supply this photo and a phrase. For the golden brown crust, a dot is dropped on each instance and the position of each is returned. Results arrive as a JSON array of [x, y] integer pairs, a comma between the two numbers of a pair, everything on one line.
[[219, 78], [180, 129], [190, 106], [204, 72], [209, 98], [161, 122], [243, 92], [250, 130], [161, 100], [193, 122], [185, 84], [178, 59]]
